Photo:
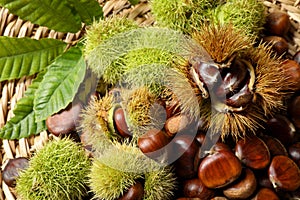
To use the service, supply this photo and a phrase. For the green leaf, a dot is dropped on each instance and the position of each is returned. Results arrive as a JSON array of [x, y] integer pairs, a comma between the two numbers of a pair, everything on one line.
[[134, 2], [55, 14], [88, 10], [23, 123], [24, 56], [60, 84]]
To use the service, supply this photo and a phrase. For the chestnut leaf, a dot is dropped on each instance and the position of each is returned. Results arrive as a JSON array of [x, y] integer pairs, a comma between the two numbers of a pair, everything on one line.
[[54, 14], [88, 10], [60, 84], [25, 56], [23, 123]]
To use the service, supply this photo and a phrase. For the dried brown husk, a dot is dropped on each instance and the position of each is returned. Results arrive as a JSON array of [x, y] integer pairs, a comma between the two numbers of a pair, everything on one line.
[[224, 44]]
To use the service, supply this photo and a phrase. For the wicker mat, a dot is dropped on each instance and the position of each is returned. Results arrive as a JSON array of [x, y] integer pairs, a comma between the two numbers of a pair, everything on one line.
[[12, 91]]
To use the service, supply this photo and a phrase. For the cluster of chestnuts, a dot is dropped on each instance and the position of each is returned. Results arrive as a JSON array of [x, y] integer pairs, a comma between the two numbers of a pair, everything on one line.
[[261, 165]]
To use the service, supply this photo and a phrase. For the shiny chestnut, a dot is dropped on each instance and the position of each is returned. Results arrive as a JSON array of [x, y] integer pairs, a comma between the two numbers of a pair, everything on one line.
[[135, 192], [194, 188], [244, 187], [120, 123], [253, 152], [152, 143], [183, 150], [219, 169], [277, 23], [284, 173], [11, 170]]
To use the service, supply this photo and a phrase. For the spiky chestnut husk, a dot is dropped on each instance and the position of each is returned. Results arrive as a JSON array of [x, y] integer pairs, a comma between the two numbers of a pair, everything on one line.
[[268, 86], [104, 29], [114, 171], [97, 34], [58, 171], [160, 183], [246, 15], [96, 123], [142, 110], [146, 67], [182, 15]]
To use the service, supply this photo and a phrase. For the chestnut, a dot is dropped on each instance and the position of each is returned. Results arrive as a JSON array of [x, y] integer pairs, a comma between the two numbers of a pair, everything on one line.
[[194, 188], [120, 123], [152, 143], [65, 121], [243, 188], [294, 111], [265, 193], [219, 198], [184, 149], [135, 192], [277, 23], [219, 169], [279, 44], [253, 152], [281, 128], [12, 168], [176, 124], [294, 152], [233, 79], [274, 145], [291, 71], [284, 173]]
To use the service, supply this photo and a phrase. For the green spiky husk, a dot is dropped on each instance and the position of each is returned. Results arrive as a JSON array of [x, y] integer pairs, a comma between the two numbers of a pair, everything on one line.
[[146, 67], [246, 15], [58, 171], [182, 15], [139, 104], [95, 121], [117, 169], [104, 29], [160, 184], [98, 33]]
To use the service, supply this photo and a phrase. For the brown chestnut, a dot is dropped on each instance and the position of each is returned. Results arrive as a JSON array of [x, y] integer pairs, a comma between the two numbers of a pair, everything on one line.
[[277, 23], [279, 44], [274, 145], [253, 152], [219, 198], [152, 143], [184, 149], [233, 79], [291, 71], [219, 169], [120, 123], [194, 188], [243, 188], [135, 192], [12, 168], [284, 173], [265, 193], [176, 124], [65, 121], [294, 111], [294, 152], [281, 128]]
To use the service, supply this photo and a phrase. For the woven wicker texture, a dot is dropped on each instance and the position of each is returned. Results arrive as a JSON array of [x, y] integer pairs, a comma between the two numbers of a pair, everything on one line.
[[12, 91]]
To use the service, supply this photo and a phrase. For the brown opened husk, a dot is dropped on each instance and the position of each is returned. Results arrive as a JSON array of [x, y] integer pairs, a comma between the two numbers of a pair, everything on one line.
[[12, 91]]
